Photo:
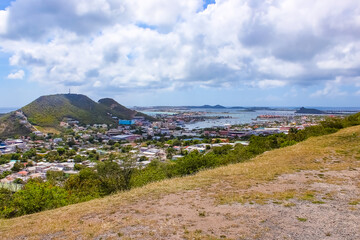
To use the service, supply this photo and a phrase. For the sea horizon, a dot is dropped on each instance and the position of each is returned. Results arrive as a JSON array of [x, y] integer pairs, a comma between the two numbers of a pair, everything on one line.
[[323, 108]]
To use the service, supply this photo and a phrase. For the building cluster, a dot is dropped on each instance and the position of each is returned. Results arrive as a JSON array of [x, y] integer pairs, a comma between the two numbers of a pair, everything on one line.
[[35, 170], [98, 140]]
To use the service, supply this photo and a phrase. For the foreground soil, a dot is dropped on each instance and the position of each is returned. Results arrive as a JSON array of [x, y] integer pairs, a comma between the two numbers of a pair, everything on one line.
[[307, 191]]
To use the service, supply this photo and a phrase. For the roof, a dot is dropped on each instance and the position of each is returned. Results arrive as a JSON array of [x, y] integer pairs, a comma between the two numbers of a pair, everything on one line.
[[23, 173]]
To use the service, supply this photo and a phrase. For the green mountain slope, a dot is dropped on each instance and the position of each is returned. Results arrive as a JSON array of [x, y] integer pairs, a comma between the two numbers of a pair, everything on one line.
[[49, 111], [116, 107], [121, 110]]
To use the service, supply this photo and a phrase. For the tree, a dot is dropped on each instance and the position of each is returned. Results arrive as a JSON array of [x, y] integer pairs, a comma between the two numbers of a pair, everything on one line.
[[5, 200], [78, 158], [189, 164], [4, 174], [143, 158], [55, 177], [17, 167], [78, 167], [71, 143], [15, 156], [18, 181], [71, 152], [155, 171], [52, 156], [127, 164], [83, 186], [37, 196], [170, 152], [29, 154], [111, 177], [61, 151]]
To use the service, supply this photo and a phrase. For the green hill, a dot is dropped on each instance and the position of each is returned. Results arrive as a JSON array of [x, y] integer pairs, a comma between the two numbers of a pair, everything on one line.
[[310, 190], [120, 109], [309, 111], [49, 111]]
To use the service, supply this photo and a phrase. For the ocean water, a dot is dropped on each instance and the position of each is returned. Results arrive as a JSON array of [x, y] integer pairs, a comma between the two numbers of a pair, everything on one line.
[[7, 109], [238, 116]]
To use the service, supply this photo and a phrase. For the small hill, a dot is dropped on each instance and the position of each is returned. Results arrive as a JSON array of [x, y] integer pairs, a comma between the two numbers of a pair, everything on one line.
[[49, 111], [209, 106], [121, 110], [115, 106], [309, 111], [310, 190]]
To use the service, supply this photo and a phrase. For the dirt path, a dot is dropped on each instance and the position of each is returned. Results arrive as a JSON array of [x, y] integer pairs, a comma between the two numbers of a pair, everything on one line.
[[303, 205]]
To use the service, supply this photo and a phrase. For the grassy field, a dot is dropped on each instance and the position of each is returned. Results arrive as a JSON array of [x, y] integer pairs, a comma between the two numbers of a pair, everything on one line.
[[287, 184], [48, 130]]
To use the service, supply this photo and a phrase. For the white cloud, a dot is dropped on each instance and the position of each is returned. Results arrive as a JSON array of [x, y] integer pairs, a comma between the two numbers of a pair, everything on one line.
[[162, 12], [3, 21], [342, 56], [167, 44], [331, 89], [278, 67], [264, 84], [18, 75]]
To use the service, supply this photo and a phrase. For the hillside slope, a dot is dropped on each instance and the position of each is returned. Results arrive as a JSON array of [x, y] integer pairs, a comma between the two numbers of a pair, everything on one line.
[[48, 111], [307, 191], [10, 125], [120, 109]]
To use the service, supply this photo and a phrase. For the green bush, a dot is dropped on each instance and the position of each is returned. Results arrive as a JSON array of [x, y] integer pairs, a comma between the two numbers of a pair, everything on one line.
[[36, 196]]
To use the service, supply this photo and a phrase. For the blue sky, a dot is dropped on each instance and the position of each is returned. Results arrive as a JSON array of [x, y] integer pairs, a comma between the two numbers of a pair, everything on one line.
[[4, 4], [195, 52]]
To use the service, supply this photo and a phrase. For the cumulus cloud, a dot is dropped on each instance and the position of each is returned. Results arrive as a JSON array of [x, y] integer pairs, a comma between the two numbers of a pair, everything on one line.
[[17, 75], [264, 84], [331, 89], [136, 45], [3, 21]]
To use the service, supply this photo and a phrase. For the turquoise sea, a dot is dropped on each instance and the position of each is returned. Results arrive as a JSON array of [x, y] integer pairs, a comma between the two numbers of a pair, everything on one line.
[[239, 116]]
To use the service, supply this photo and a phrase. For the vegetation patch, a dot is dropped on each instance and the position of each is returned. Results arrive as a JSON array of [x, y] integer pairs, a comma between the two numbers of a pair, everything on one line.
[[354, 202], [301, 219]]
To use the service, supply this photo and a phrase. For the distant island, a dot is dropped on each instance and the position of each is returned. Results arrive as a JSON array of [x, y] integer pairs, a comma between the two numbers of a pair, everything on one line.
[[208, 106], [309, 111]]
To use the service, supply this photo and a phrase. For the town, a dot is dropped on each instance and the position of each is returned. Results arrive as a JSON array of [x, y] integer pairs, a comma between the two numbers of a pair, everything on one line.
[[165, 139]]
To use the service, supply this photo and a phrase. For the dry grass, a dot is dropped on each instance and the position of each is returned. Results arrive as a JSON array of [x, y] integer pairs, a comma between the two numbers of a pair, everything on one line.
[[339, 151], [48, 130]]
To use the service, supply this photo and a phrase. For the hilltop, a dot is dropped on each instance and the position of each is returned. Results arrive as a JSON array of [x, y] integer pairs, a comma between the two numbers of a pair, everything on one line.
[[310, 190], [309, 111], [48, 111]]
